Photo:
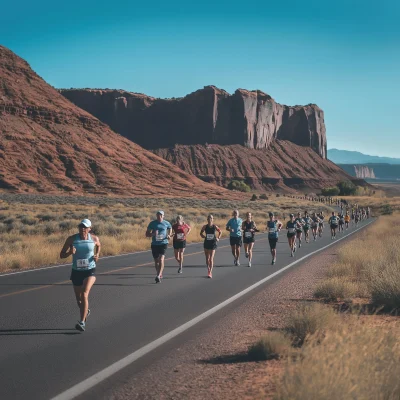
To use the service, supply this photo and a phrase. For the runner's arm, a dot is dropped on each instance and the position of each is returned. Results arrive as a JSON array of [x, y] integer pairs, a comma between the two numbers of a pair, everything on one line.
[[202, 232], [97, 247], [67, 249], [219, 232]]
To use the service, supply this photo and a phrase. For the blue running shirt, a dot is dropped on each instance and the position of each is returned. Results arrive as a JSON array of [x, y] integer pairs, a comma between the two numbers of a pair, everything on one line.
[[236, 225], [161, 228]]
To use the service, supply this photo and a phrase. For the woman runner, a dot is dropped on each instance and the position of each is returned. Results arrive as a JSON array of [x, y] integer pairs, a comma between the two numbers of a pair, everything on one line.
[[306, 226], [85, 250], [180, 230], [321, 216], [291, 227], [341, 222], [273, 227], [314, 225], [299, 229], [209, 234], [249, 229], [333, 222], [347, 220]]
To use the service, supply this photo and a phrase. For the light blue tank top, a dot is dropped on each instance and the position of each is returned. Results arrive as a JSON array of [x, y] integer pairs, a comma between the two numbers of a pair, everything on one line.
[[83, 259]]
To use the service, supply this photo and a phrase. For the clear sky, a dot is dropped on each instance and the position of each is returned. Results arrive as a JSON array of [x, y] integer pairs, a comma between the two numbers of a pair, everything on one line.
[[343, 55]]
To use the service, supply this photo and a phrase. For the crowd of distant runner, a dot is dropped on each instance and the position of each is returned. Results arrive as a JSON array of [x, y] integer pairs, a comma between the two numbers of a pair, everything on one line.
[[84, 247]]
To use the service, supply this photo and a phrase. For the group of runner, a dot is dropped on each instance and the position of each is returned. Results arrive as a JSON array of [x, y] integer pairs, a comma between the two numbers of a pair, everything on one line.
[[84, 247]]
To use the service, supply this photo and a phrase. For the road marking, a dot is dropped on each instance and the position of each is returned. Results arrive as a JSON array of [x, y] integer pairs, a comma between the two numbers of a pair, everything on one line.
[[92, 381]]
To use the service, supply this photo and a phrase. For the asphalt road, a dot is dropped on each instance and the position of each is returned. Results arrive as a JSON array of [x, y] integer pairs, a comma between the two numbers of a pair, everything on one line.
[[42, 355]]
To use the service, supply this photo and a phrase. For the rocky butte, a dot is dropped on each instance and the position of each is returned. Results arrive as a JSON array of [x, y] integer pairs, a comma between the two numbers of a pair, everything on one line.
[[220, 137], [49, 145], [210, 115]]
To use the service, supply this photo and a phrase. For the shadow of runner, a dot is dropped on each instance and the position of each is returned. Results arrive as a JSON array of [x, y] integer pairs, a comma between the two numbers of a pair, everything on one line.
[[228, 359], [43, 331]]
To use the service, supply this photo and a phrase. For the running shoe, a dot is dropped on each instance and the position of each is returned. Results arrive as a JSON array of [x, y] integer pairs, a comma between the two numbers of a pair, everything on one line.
[[247, 255], [80, 326], [180, 270], [238, 263], [273, 261], [291, 254], [209, 275], [87, 315], [234, 262], [158, 279], [299, 244], [249, 264]]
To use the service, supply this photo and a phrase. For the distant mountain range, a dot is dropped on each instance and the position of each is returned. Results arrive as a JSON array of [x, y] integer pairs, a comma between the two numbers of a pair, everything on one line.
[[355, 157]]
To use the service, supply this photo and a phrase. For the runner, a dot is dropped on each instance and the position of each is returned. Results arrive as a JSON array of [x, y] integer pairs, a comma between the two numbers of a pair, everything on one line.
[[368, 212], [249, 229], [291, 227], [299, 229], [306, 226], [273, 226], [333, 222], [347, 220], [341, 222], [209, 234], [234, 226], [181, 230], [321, 217], [160, 231], [85, 250], [314, 225], [356, 218]]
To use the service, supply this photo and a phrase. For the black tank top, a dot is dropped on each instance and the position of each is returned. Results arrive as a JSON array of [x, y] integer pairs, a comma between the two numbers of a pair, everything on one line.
[[209, 231], [247, 227]]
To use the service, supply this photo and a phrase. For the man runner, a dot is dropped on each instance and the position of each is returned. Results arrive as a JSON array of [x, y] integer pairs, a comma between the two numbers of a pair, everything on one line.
[[160, 231], [234, 226], [273, 227], [333, 222]]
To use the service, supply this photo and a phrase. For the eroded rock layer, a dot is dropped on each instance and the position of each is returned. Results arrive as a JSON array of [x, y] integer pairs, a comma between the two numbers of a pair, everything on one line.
[[49, 145], [209, 115]]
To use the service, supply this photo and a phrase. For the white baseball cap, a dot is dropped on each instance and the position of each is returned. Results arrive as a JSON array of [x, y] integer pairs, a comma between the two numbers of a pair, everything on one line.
[[160, 212], [86, 222]]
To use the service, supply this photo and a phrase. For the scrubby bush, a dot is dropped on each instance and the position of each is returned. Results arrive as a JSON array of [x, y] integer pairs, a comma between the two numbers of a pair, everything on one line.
[[239, 186], [271, 346], [387, 209], [331, 191], [347, 188], [254, 197], [263, 196]]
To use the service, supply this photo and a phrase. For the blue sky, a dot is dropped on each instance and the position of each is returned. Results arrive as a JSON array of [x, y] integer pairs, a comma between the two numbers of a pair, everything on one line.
[[342, 55]]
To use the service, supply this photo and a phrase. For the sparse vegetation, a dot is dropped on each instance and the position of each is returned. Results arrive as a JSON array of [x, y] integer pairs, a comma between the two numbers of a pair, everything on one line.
[[34, 228], [271, 346], [239, 186], [331, 191]]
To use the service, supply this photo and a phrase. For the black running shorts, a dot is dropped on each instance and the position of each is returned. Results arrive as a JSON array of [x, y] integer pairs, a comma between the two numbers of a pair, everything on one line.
[[235, 241], [159, 250], [179, 244], [272, 242], [77, 277]]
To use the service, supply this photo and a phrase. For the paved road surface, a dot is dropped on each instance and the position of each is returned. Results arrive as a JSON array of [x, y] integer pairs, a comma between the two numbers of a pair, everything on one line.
[[42, 355]]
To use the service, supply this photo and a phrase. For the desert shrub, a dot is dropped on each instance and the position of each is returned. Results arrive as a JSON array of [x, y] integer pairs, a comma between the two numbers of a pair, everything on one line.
[[263, 196], [66, 225], [335, 288], [309, 319], [387, 209], [349, 363], [239, 186], [45, 217], [271, 346], [254, 197], [49, 228], [331, 191], [347, 188], [26, 220]]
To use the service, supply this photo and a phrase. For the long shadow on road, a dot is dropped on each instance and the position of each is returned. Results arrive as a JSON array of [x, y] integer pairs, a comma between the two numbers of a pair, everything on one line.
[[43, 331]]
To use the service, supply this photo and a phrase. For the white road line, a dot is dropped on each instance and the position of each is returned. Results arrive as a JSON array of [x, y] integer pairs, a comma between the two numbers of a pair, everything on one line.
[[92, 381]]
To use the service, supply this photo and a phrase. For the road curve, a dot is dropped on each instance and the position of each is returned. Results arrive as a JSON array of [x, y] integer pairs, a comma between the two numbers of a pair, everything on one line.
[[42, 356]]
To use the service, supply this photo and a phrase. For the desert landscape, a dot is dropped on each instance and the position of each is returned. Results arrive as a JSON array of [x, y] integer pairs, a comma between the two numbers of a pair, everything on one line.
[[169, 230]]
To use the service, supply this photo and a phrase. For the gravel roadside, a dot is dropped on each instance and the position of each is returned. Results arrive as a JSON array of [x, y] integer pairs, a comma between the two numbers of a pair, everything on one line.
[[209, 365]]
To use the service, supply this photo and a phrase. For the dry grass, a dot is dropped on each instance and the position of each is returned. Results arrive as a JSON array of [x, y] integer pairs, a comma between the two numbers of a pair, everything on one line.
[[34, 228], [356, 362], [274, 345], [377, 203], [335, 288], [309, 319]]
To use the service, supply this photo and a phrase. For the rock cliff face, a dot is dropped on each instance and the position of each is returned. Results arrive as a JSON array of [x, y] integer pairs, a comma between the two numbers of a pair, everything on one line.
[[362, 171], [49, 145], [283, 165], [210, 115]]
